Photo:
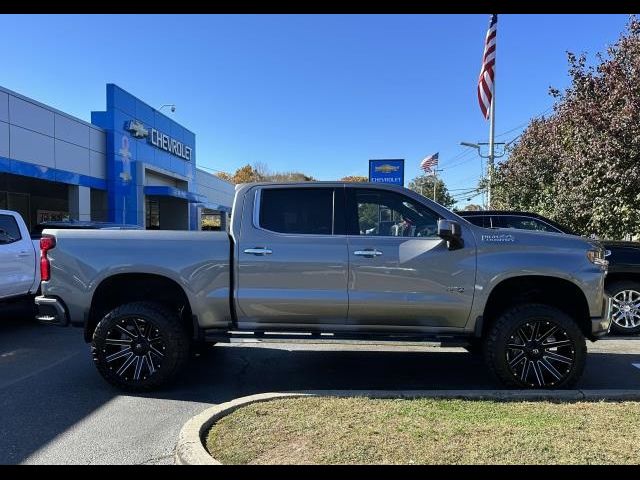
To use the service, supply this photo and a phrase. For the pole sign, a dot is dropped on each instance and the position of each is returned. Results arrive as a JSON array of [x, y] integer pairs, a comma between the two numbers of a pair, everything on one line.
[[387, 171]]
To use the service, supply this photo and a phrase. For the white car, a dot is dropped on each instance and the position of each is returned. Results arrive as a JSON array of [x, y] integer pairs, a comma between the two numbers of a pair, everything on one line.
[[19, 258]]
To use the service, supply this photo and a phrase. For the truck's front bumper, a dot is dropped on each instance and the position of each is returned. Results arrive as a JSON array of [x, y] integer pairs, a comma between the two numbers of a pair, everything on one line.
[[51, 311], [600, 326]]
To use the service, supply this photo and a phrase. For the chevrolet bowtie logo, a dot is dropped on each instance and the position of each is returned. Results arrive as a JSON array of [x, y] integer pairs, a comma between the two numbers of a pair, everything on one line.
[[386, 168], [137, 129]]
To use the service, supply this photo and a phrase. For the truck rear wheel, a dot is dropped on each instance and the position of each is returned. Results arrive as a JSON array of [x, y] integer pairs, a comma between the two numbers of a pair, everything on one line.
[[625, 309], [536, 346], [140, 346]]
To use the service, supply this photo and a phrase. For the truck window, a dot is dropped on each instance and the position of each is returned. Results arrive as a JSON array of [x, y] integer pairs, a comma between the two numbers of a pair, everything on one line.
[[389, 214], [297, 210], [9, 230]]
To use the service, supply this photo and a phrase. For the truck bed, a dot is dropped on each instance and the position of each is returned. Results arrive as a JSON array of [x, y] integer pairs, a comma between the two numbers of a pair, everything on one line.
[[198, 261]]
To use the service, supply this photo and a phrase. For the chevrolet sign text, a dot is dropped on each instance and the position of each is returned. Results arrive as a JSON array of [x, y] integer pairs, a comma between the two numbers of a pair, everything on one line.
[[165, 142]]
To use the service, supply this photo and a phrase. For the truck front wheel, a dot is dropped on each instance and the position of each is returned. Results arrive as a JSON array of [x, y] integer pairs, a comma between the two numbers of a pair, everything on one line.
[[140, 346], [536, 346]]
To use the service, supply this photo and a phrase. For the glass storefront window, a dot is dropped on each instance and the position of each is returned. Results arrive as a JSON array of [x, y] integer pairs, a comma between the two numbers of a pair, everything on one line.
[[153, 214]]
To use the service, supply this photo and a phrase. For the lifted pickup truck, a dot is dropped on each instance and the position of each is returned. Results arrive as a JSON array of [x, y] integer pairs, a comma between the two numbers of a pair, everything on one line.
[[320, 261]]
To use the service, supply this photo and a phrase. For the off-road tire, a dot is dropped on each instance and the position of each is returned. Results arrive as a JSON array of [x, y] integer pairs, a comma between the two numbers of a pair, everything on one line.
[[171, 340], [505, 330]]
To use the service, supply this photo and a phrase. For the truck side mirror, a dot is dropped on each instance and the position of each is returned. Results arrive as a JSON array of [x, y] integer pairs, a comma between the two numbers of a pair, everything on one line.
[[450, 231]]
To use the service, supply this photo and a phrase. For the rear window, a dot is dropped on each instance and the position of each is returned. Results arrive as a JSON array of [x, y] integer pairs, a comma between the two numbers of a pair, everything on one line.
[[479, 220], [526, 223], [297, 210], [9, 230]]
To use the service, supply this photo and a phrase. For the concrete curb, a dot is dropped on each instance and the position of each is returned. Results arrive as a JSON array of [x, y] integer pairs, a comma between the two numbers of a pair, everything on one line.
[[190, 449]]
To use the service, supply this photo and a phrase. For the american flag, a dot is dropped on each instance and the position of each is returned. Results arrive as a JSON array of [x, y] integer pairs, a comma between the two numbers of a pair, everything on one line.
[[485, 81], [429, 162]]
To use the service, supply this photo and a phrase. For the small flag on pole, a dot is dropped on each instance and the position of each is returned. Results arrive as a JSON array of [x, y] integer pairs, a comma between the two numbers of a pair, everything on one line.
[[487, 74], [429, 162]]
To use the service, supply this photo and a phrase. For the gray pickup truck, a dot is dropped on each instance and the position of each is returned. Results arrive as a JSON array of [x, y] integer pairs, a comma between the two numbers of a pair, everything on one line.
[[318, 261]]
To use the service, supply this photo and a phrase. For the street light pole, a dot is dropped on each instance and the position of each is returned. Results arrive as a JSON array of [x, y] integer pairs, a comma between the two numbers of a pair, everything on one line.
[[173, 107], [491, 157]]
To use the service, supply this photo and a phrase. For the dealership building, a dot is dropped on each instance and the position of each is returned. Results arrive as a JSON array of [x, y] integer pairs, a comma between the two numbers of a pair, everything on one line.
[[132, 164]]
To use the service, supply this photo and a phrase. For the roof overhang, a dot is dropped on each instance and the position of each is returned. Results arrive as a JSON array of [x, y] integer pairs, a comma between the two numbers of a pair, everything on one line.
[[161, 191]]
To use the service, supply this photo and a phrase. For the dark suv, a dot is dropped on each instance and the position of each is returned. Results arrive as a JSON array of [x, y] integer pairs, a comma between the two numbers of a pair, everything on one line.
[[622, 281]]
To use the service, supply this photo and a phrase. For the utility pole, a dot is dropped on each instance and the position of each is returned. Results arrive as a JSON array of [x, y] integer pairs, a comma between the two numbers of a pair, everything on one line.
[[491, 156], [435, 178]]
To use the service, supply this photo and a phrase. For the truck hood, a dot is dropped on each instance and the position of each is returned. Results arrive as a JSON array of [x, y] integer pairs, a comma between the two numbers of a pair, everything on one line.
[[519, 237]]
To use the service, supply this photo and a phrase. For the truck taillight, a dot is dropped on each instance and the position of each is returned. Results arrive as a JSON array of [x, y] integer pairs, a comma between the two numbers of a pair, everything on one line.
[[46, 244]]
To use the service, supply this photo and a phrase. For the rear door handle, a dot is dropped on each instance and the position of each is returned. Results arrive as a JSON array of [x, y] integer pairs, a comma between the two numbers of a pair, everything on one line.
[[258, 251], [368, 253], [24, 254]]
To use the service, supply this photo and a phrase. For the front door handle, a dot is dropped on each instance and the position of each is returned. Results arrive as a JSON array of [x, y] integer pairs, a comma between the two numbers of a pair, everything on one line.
[[368, 253], [258, 251]]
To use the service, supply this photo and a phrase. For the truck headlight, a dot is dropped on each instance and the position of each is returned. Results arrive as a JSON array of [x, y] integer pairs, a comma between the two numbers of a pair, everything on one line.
[[597, 257]]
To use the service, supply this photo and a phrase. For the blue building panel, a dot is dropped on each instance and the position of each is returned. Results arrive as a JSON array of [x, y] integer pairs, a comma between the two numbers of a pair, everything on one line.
[[162, 123], [145, 113], [145, 152], [33, 171], [189, 137], [118, 99], [128, 151], [162, 159], [5, 165], [176, 132], [70, 178], [178, 166], [17, 167]]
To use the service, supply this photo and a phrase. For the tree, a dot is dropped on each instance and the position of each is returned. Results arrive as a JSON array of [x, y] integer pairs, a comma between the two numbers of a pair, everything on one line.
[[423, 184], [581, 165], [472, 207], [245, 174], [354, 179], [259, 172]]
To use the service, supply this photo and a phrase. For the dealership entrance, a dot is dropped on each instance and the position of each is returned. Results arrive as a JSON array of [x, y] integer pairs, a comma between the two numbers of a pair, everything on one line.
[[166, 213]]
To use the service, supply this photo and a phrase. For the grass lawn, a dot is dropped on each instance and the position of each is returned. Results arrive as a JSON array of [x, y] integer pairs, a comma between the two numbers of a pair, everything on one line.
[[427, 431]]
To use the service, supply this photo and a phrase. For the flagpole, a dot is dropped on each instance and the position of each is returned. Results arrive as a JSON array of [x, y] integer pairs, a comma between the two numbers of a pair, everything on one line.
[[435, 177], [492, 112]]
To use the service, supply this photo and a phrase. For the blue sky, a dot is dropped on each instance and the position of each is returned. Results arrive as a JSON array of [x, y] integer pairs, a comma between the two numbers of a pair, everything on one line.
[[320, 94]]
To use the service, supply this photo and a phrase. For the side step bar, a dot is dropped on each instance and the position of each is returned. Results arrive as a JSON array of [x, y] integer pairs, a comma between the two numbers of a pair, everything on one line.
[[240, 336]]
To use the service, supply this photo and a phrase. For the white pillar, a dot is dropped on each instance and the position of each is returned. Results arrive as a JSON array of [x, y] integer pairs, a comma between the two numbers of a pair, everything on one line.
[[80, 203]]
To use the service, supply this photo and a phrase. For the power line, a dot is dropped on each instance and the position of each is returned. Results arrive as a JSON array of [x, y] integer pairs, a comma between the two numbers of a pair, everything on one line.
[[459, 189], [525, 123], [212, 169]]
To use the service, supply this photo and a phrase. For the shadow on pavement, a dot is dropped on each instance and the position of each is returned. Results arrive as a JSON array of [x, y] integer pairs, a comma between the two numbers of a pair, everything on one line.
[[48, 382]]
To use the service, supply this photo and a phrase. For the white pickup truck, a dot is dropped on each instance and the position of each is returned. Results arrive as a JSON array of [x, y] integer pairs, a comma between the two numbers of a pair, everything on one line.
[[20, 252], [19, 258]]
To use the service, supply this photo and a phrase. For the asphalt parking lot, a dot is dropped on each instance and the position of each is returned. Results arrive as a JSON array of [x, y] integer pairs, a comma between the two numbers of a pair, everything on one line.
[[55, 408]]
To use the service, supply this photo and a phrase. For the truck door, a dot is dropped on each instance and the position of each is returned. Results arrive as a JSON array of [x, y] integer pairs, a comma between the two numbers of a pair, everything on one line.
[[292, 259], [17, 259], [401, 273]]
